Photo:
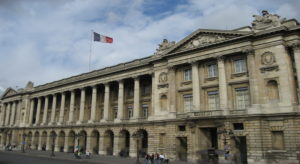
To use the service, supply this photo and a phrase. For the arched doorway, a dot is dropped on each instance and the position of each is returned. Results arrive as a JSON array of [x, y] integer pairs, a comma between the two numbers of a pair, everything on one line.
[[44, 141], [94, 144], [61, 141], [108, 142], [29, 140], [71, 142], [82, 136], [36, 140], [53, 137], [142, 135], [124, 142]]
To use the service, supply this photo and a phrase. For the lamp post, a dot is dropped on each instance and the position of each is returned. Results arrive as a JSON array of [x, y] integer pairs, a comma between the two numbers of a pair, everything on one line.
[[138, 137], [23, 143], [53, 135]]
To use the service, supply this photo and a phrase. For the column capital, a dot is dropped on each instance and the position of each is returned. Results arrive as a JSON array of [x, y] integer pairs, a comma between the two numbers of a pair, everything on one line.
[[295, 45], [220, 58], [136, 77], [120, 81], [171, 67], [194, 62]]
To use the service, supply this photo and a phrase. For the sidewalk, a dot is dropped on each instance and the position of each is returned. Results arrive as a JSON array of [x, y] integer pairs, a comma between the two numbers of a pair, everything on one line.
[[98, 159]]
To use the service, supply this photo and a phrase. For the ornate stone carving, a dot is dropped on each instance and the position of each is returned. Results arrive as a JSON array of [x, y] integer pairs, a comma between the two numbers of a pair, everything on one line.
[[163, 77], [266, 21], [164, 46], [268, 58], [202, 40]]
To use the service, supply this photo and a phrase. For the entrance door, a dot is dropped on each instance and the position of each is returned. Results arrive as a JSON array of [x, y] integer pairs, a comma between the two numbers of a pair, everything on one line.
[[241, 146], [181, 148]]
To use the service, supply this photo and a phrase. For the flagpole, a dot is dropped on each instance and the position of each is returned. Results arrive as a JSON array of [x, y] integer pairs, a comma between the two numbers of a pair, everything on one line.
[[90, 50]]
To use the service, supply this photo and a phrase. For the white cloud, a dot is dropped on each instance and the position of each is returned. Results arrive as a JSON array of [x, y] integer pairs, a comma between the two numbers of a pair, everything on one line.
[[43, 41]]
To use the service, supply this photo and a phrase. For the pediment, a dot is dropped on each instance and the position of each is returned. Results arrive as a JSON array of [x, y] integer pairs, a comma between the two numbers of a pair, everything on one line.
[[202, 38], [9, 92]]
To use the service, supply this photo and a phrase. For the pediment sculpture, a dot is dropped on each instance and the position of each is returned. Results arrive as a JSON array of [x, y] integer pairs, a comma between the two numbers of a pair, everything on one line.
[[266, 21], [203, 40], [164, 46]]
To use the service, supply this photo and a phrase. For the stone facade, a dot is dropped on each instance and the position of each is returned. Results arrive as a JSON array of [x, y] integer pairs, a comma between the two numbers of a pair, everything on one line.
[[224, 89]]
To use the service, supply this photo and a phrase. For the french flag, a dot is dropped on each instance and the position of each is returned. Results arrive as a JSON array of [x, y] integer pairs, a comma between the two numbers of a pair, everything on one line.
[[102, 38]]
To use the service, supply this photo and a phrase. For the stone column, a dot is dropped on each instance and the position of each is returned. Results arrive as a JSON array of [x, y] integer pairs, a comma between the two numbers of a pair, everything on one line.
[[53, 109], [56, 145], [296, 49], [172, 90], [222, 85], [45, 110], [93, 105], [101, 145], [254, 96], [196, 86], [38, 112], [66, 145], [132, 146], [82, 103], [62, 108], [18, 113], [40, 142], [136, 98], [116, 145], [8, 107], [71, 114], [120, 100], [31, 112], [153, 100], [3, 114], [106, 102], [13, 113], [48, 142]]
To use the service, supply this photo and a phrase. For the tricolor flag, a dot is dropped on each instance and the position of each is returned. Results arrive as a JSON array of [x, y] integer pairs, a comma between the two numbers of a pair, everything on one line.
[[101, 38]]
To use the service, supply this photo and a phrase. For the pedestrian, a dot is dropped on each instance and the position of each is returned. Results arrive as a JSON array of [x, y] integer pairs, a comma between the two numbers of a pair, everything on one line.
[[87, 154], [156, 159], [147, 159]]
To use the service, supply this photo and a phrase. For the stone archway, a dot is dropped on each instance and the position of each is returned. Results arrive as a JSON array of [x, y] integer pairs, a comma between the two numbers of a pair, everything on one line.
[[94, 142], [35, 143], [143, 144], [108, 142], [71, 142], [124, 143], [44, 141], [52, 140], [29, 140], [61, 141], [82, 140]]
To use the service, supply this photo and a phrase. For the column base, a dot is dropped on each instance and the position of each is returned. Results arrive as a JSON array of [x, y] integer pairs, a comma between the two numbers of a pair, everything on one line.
[[103, 120], [117, 120], [59, 123], [91, 121], [51, 123], [78, 122]]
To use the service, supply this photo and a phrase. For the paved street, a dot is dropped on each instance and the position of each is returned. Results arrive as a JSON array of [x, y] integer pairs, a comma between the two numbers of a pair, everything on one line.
[[43, 157]]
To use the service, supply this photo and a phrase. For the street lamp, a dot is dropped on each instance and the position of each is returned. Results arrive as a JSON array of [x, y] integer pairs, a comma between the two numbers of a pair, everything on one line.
[[23, 143], [53, 135], [138, 137]]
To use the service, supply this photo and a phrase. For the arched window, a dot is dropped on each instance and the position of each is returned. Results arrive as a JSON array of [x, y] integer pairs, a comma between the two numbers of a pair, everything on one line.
[[272, 89], [163, 102]]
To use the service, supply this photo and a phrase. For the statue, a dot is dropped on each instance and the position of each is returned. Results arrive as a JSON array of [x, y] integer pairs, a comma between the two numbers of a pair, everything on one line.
[[266, 21], [164, 45]]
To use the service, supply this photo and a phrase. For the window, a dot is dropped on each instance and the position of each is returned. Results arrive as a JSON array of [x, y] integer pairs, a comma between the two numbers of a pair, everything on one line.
[[272, 88], [163, 102], [242, 98], [101, 113], [181, 127], [130, 111], [130, 91], [145, 110], [188, 102], [213, 100], [238, 126], [240, 66], [146, 90], [212, 70], [115, 110], [277, 140], [187, 75]]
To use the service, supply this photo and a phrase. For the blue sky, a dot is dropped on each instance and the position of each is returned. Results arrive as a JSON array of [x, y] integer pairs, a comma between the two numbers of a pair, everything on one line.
[[44, 41]]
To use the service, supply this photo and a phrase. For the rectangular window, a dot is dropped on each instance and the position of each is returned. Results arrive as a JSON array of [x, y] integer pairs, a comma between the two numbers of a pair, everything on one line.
[[115, 112], [277, 140], [130, 111], [242, 98], [101, 113], [187, 75], [146, 90], [188, 102], [240, 66], [145, 110], [212, 70], [213, 100]]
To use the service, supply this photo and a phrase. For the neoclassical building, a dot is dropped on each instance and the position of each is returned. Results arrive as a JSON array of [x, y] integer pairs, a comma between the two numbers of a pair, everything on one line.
[[223, 89]]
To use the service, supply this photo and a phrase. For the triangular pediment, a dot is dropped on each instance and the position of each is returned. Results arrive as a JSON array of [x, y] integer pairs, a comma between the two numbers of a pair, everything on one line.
[[8, 92], [203, 38]]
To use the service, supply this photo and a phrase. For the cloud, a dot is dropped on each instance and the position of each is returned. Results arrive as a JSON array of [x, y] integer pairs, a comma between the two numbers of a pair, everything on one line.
[[44, 41]]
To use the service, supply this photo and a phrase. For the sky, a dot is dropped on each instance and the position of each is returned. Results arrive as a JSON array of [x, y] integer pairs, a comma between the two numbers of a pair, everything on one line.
[[48, 40]]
